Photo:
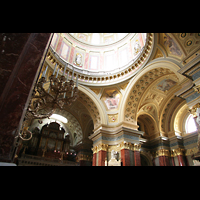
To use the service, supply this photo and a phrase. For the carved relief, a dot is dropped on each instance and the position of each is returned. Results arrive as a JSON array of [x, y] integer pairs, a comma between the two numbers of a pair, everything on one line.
[[112, 118]]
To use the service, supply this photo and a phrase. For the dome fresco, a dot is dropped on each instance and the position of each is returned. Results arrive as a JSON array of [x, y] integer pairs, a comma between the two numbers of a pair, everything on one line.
[[99, 38], [98, 51]]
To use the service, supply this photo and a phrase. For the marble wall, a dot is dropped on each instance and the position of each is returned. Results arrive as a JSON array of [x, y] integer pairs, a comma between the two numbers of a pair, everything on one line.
[[20, 57]]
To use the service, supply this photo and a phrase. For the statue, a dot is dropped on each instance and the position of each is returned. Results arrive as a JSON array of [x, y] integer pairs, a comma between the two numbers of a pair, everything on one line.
[[78, 59], [113, 154], [113, 161]]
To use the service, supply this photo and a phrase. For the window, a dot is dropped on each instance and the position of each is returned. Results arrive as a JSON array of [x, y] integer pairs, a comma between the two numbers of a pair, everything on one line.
[[190, 125]]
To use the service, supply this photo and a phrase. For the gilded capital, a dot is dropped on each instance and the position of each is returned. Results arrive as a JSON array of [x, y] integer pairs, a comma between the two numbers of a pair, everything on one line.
[[194, 109], [161, 152], [126, 145], [130, 146], [94, 149], [103, 147], [136, 147], [197, 88], [177, 152]]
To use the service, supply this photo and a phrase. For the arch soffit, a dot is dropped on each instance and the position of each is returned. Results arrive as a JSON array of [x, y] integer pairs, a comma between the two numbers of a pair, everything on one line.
[[179, 118], [152, 119], [93, 104], [133, 84]]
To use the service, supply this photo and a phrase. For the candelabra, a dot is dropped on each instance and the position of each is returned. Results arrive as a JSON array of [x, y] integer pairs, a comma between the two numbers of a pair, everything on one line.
[[61, 91]]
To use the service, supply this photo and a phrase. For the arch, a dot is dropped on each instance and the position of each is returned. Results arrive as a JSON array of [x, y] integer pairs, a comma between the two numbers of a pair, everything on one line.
[[138, 85], [148, 125], [94, 105], [147, 158]]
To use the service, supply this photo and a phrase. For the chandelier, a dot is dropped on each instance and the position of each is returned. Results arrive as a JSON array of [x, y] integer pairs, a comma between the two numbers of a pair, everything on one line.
[[61, 91]]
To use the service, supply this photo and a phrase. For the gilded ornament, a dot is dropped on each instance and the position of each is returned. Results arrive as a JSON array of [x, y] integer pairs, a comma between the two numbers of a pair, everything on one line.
[[197, 88], [183, 35], [189, 42]]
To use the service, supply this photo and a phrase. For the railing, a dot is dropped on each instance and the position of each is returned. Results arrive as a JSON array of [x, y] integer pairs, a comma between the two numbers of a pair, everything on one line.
[[30, 160]]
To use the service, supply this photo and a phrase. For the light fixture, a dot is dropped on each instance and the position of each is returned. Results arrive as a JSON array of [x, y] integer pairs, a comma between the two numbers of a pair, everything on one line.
[[61, 91]]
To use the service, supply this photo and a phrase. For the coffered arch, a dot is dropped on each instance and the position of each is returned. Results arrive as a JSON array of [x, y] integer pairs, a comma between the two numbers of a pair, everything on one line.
[[141, 83]]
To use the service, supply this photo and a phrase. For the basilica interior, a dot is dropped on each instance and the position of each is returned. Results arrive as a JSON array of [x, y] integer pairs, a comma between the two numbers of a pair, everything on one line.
[[100, 99]]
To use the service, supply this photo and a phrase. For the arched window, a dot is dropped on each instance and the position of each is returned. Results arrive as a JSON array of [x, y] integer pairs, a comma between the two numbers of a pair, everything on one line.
[[190, 125]]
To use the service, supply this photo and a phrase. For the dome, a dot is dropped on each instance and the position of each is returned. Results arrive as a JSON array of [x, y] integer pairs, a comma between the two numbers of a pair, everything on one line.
[[99, 38], [101, 58]]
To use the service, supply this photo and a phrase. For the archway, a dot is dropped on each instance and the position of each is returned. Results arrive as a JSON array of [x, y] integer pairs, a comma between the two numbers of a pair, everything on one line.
[[148, 125]]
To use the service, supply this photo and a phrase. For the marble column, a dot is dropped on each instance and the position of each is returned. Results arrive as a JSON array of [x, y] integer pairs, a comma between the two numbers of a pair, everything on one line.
[[102, 158], [179, 154], [99, 155], [102, 154], [137, 158], [163, 157], [181, 160], [21, 55], [94, 159], [125, 157], [137, 154], [125, 153], [163, 161]]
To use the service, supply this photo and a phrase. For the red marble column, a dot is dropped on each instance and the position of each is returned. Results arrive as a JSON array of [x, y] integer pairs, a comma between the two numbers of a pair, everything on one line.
[[137, 158], [20, 59], [125, 157], [101, 158], [180, 160], [94, 159], [163, 161]]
